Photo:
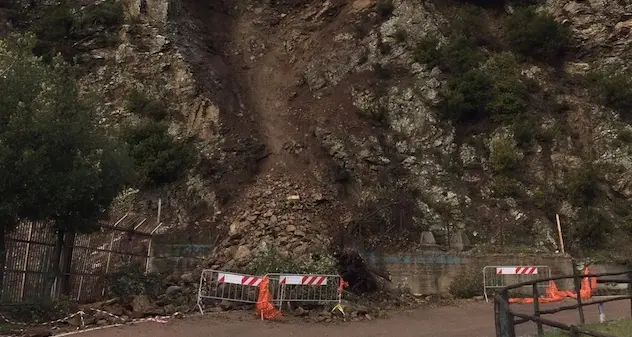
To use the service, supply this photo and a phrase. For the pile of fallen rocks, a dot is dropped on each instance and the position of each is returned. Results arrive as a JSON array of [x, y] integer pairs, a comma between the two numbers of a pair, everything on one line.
[[277, 214]]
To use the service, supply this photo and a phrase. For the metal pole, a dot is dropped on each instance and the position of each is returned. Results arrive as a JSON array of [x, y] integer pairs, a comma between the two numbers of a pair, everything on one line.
[[25, 263], [159, 209]]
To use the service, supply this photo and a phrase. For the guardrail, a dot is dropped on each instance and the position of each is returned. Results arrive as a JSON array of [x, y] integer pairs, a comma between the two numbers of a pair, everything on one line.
[[506, 319]]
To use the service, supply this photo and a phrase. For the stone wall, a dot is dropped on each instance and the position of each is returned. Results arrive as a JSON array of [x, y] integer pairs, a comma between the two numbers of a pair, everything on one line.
[[432, 271]]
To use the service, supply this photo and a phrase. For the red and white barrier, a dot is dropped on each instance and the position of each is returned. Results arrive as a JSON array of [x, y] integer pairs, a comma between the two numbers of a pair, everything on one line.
[[311, 280], [245, 280], [497, 277], [520, 270]]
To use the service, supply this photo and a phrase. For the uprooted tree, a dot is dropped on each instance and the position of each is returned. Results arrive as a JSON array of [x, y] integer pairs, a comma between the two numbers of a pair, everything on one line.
[[56, 163]]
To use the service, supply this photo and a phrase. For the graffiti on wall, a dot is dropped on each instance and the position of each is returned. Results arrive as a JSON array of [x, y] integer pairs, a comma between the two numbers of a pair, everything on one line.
[[182, 250], [421, 258]]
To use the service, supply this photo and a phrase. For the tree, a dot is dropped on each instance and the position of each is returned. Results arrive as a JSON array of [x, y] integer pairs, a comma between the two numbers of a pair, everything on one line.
[[56, 162]]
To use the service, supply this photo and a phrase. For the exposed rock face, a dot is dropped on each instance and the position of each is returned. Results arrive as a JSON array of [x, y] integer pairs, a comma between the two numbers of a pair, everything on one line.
[[315, 126]]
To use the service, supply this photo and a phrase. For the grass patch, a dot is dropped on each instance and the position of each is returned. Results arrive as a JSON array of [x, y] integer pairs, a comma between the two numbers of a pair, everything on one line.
[[616, 328]]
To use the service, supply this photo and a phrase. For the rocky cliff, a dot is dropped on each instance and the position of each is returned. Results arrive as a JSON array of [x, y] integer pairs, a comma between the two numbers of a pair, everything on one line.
[[318, 124]]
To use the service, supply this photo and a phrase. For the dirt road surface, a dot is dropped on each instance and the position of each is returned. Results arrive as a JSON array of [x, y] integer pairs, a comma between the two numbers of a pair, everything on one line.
[[473, 319]]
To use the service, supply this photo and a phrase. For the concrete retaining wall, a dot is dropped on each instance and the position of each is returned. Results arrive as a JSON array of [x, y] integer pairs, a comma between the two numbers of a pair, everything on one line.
[[432, 271]]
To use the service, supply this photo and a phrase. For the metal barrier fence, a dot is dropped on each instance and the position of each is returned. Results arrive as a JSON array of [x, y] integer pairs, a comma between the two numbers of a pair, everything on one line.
[[284, 288], [496, 277], [220, 285], [306, 288]]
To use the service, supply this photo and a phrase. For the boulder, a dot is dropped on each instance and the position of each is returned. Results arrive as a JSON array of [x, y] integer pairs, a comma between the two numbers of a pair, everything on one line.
[[142, 306]]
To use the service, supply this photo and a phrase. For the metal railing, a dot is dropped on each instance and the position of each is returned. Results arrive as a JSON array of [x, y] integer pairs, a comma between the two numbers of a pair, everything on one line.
[[506, 319]]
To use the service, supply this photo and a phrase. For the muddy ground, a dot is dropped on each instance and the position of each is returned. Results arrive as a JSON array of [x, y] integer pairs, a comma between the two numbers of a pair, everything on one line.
[[473, 319]]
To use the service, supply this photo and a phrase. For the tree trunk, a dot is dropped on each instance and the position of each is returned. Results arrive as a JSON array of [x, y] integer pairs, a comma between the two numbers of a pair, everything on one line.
[[69, 242], [52, 283]]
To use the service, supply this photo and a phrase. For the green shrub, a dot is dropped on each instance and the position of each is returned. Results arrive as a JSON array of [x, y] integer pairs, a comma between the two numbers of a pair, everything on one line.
[[524, 132], [384, 8], [109, 13], [401, 35], [158, 158], [41, 310], [625, 136], [504, 156], [504, 186], [270, 261], [613, 88], [496, 90], [66, 28], [131, 280], [457, 56], [582, 185], [466, 96], [539, 198], [509, 92], [467, 285], [591, 229], [536, 35], [469, 22], [427, 51], [139, 103]]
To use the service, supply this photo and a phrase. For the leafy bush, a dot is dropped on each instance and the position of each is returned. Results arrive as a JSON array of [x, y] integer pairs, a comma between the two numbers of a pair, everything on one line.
[[504, 156], [591, 229], [457, 56], [467, 285], [139, 103], [469, 22], [158, 158], [613, 88], [467, 96], [582, 185], [504, 186], [270, 261], [130, 280], [496, 90], [625, 136], [384, 8], [509, 92], [41, 310], [109, 13], [536, 35], [61, 29]]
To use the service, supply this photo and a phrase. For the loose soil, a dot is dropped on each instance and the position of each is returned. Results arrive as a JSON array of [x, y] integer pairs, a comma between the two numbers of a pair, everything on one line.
[[473, 319]]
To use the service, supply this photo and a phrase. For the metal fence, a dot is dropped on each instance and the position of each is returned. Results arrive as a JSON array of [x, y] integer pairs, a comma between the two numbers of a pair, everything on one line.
[[496, 277], [305, 288], [220, 285], [284, 288], [44, 263]]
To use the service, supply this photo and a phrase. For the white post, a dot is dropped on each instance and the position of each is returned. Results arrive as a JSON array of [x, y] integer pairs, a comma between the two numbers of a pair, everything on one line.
[[159, 209], [25, 263], [107, 263], [147, 262], [559, 232]]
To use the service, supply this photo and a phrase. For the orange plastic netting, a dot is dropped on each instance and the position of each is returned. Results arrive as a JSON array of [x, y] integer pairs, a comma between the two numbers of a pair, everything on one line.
[[264, 307], [587, 286]]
